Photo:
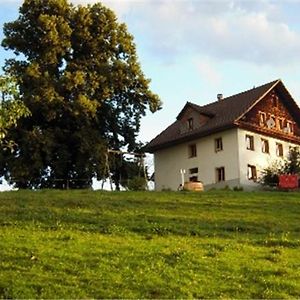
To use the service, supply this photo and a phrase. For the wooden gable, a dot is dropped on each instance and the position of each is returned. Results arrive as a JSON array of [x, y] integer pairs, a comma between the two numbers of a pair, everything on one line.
[[272, 115]]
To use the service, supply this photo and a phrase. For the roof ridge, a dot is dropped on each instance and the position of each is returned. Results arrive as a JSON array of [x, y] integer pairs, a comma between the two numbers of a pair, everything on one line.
[[244, 92], [272, 84]]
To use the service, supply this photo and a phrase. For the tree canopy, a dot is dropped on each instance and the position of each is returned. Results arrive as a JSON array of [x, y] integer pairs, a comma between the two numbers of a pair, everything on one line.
[[11, 108], [77, 71]]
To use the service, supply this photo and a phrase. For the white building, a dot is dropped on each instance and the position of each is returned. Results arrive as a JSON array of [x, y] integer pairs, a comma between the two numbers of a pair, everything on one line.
[[227, 142]]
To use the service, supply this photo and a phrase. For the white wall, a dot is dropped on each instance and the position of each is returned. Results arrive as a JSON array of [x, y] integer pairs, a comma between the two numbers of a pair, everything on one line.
[[234, 158], [168, 162], [257, 157]]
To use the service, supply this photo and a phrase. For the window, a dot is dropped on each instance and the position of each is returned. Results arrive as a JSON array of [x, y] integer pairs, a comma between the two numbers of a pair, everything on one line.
[[192, 150], [264, 146], [220, 174], [218, 144], [279, 149], [290, 127], [280, 123], [193, 170], [262, 119], [194, 178], [251, 173], [274, 100], [190, 124], [250, 142]]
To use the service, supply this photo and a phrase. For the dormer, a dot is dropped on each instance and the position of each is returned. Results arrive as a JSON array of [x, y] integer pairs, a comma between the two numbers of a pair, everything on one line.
[[193, 117]]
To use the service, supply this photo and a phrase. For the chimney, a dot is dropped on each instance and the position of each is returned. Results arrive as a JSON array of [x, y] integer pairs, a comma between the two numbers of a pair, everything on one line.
[[220, 97]]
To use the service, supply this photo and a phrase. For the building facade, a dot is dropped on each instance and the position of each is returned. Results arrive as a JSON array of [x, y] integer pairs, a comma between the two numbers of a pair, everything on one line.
[[228, 142]]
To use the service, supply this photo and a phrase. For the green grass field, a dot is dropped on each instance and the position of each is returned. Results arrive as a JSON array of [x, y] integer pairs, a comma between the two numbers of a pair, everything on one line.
[[85, 244]]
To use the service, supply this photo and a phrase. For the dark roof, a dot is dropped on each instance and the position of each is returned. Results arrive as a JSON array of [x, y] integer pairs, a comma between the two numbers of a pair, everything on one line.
[[200, 109], [223, 115]]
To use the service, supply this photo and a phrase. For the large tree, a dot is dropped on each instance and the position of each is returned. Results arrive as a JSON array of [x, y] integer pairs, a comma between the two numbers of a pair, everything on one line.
[[11, 109], [79, 75]]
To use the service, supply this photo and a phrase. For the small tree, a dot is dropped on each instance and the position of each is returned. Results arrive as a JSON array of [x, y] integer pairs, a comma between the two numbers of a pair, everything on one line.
[[291, 165], [270, 175], [129, 173], [137, 184]]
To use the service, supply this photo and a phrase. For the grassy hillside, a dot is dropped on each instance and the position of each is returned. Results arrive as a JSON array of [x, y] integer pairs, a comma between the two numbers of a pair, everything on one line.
[[84, 244]]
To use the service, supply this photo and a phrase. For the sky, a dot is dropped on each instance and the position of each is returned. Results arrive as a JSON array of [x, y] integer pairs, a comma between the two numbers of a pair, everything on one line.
[[193, 50]]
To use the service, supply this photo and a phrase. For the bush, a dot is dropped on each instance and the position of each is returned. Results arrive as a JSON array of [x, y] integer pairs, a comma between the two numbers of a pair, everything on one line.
[[270, 175], [238, 188], [291, 165], [137, 184]]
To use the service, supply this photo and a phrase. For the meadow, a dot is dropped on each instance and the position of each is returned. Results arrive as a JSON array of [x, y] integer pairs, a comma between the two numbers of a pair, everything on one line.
[[95, 244]]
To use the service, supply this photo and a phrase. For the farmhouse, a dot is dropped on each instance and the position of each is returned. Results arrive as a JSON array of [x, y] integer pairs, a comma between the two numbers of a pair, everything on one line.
[[227, 142]]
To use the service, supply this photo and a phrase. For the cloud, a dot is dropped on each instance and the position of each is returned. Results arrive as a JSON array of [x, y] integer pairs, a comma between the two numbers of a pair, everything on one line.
[[249, 38], [208, 72], [229, 30], [253, 31]]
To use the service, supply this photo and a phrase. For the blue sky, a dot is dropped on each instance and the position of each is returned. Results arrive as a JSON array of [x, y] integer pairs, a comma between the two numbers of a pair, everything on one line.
[[193, 50]]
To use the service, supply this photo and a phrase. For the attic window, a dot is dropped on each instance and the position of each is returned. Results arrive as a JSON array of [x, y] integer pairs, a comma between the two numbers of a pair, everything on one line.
[[274, 100], [290, 127], [280, 122], [262, 118], [190, 123]]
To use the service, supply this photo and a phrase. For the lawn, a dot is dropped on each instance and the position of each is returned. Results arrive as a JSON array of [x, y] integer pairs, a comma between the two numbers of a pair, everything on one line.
[[85, 244]]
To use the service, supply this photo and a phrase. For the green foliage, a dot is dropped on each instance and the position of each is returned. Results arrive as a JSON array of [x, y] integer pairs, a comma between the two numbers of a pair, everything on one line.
[[84, 244], [137, 184], [82, 82], [238, 188], [124, 169], [270, 175], [291, 165], [11, 108]]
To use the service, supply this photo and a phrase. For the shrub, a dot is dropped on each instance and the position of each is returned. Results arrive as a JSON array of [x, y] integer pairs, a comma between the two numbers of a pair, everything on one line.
[[238, 188], [291, 165], [137, 184], [270, 175]]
